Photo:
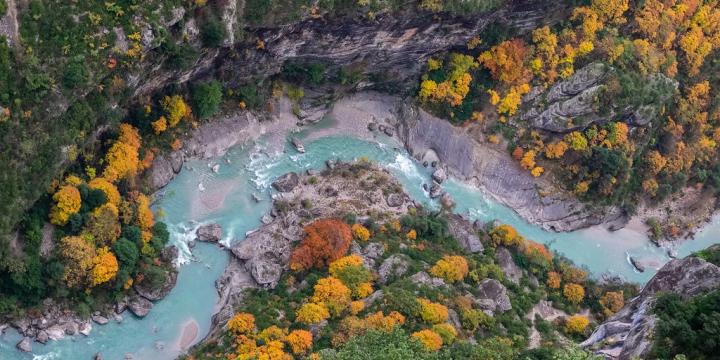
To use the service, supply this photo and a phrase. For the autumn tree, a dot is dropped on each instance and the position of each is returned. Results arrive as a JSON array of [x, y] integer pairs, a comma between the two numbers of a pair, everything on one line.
[[574, 293], [175, 109], [553, 280], [610, 11], [123, 157], [67, 202], [241, 323], [431, 312], [78, 256], [576, 324], [430, 339], [104, 224], [300, 341], [325, 241], [556, 150], [105, 267], [504, 235], [506, 62], [450, 268], [360, 232], [333, 293], [351, 271], [111, 192], [612, 301], [312, 313]]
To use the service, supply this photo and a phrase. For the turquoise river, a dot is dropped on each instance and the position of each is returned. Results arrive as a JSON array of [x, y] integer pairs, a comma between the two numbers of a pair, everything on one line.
[[199, 195]]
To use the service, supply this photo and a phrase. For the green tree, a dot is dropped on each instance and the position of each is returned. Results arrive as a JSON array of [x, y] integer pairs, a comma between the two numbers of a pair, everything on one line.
[[207, 98]]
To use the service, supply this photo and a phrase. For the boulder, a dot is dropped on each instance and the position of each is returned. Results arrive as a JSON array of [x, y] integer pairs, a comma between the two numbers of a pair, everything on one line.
[[209, 233], [42, 337], [140, 306], [389, 131], [423, 278], [439, 175], [85, 328], [507, 264], [24, 345], [69, 328], [491, 289], [436, 191], [100, 320], [394, 266], [395, 200], [287, 182], [98, 356], [264, 255]]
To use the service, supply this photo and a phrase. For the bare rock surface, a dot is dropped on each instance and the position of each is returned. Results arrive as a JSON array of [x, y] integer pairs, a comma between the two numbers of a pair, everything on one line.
[[140, 306], [629, 333], [507, 264], [495, 294], [209, 233]]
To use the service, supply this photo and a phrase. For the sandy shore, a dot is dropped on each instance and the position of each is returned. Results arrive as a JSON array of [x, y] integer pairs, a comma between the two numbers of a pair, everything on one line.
[[189, 334]]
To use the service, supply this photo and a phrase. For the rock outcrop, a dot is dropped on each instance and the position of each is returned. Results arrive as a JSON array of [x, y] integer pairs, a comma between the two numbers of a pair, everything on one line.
[[157, 293], [493, 297], [287, 182], [504, 259], [465, 234], [140, 306], [629, 333]]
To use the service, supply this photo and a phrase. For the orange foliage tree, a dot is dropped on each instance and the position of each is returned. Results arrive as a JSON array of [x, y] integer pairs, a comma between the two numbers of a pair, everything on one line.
[[325, 241], [106, 267], [613, 301], [506, 62], [576, 324], [430, 339], [300, 341], [241, 323], [553, 280]]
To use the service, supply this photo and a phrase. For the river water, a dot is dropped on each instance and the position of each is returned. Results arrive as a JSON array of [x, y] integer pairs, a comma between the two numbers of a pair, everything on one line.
[[200, 195]]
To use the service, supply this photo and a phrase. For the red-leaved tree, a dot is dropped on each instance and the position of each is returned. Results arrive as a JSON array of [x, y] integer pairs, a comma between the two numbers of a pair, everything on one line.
[[325, 241]]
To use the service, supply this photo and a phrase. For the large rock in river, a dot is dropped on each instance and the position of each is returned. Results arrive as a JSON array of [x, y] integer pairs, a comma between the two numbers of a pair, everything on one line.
[[140, 306], [287, 182], [209, 233]]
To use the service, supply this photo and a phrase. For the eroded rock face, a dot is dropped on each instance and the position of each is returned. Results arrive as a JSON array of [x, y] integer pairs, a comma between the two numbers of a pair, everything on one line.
[[394, 266], [493, 170], [209, 233], [629, 333]]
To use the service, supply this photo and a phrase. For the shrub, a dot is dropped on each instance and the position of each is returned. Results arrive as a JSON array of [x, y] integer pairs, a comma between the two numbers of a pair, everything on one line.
[[360, 232], [127, 253], [473, 319], [67, 202], [576, 324], [392, 345], [75, 74], [325, 241], [446, 331], [613, 301], [450, 268], [504, 235], [207, 98], [430, 339], [213, 33]]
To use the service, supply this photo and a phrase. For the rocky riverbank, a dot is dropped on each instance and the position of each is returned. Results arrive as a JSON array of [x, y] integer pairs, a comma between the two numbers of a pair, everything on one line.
[[55, 321]]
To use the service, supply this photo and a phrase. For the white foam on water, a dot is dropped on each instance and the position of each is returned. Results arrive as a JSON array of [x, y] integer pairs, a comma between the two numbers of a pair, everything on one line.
[[181, 235], [48, 356], [405, 165]]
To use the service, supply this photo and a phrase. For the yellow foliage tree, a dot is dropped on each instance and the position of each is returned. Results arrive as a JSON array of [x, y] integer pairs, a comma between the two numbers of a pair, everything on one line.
[[175, 108], [451, 268], [360, 232], [333, 293], [610, 11], [241, 323], [160, 125], [577, 141], [111, 192], [528, 160], [312, 313], [446, 331], [104, 224], [106, 267], [78, 255], [574, 293], [504, 235], [433, 313], [613, 301], [576, 324], [67, 202]]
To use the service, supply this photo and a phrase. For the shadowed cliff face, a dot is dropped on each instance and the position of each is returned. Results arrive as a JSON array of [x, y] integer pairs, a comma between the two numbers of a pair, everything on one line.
[[394, 47]]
